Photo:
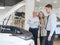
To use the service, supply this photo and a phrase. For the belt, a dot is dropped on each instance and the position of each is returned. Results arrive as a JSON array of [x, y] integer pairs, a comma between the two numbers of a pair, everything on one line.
[[33, 28], [48, 31]]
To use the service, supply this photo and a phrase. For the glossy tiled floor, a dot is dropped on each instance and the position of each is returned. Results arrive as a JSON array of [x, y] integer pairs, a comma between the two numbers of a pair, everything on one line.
[[56, 42]]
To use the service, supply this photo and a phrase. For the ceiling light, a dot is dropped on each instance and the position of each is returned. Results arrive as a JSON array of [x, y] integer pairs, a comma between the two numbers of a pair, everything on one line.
[[2, 7], [58, 8], [40, 7], [38, 0], [55, 2]]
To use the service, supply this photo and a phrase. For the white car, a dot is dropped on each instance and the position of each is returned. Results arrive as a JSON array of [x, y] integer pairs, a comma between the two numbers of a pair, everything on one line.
[[58, 28], [10, 35]]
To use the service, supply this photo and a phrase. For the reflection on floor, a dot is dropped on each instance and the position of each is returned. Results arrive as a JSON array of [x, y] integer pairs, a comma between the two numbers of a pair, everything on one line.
[[56, 42]]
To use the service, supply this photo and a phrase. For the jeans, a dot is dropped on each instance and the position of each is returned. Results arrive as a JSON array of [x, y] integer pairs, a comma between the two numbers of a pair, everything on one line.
[[42, 40], [52, 39], [34, 31]]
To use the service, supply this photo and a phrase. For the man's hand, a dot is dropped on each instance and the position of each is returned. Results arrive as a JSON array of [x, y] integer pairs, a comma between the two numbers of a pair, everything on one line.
[[49, 38], [35, 22]]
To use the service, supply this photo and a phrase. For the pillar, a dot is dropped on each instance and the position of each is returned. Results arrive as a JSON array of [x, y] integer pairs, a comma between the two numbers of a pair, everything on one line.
[[30, 4]]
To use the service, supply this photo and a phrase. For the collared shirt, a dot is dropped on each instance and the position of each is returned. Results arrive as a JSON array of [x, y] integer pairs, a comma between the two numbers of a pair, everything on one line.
[[33, 22], [51, 25]]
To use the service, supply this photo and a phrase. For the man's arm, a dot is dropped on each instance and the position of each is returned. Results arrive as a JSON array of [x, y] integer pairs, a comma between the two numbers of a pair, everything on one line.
[[37, 21], [30, 21], [53, 26]]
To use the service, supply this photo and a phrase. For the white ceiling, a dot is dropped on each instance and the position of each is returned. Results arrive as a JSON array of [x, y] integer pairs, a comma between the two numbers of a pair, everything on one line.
[[42, 3], [4, 11]]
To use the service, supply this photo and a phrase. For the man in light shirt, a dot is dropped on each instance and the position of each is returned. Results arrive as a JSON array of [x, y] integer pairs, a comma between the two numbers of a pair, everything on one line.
[[51, 25], [33, 25]]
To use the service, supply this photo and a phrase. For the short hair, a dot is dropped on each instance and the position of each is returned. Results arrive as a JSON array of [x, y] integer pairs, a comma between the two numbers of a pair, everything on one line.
[[49, 6], [34, 11]]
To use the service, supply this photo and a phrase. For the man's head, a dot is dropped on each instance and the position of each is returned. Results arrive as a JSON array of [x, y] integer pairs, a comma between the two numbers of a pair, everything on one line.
[[48, 8], [34, 13]]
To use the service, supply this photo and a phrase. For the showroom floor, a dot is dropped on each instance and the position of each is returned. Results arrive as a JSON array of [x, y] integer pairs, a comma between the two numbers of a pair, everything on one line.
[[56, 42]]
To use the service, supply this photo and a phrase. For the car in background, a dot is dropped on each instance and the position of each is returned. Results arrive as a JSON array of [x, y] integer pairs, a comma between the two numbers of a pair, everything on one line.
[[57, 31], [58, 28]]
